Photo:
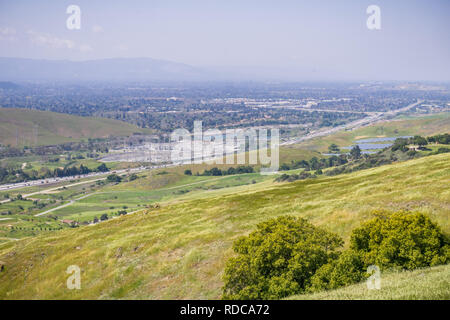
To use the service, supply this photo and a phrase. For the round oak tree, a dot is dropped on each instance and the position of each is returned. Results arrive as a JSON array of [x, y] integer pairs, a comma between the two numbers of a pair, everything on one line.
[[401, 240]]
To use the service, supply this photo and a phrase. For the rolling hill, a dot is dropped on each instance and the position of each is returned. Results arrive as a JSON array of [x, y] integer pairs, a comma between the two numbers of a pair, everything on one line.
[[179, 250], [7, 85], [18, 127]]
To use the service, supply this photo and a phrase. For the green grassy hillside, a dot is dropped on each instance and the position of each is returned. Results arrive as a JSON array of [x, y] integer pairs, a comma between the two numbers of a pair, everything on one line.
[[18, 125], [179, 251], [423, 284]]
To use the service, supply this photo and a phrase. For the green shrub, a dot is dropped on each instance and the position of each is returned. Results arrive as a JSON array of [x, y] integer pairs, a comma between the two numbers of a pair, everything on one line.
[[346, 270], [411, 153], [442, 150], [133, 177], [114, 178], [401, 239], [278, 259]]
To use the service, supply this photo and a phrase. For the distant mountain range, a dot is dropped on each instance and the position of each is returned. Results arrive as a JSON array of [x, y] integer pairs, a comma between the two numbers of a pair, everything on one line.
[[8, 85], [118, 69], [142, 69], [148, 69]]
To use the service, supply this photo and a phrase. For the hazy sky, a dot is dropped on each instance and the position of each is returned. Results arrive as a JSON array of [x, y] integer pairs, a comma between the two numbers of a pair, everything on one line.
[[328, 39]]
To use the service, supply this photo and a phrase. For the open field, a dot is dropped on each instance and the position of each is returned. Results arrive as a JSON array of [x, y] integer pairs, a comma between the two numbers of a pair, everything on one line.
[[132, 195], [17, 127], [422, 284], [179, 250]]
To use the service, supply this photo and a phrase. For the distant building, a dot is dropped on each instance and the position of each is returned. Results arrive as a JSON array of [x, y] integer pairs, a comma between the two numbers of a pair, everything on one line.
[[70, 222]]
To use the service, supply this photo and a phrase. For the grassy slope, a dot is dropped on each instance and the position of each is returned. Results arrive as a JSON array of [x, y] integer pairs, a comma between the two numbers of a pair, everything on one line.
[[423, 284], [54, 128], [179, 251], [134, 194]]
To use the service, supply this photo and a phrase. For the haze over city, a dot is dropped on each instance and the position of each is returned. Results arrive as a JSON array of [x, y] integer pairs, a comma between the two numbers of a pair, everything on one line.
[[257, 40]]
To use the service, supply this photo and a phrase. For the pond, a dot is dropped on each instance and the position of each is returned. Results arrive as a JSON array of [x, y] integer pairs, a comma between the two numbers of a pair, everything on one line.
[[371, 140], [368, 144]]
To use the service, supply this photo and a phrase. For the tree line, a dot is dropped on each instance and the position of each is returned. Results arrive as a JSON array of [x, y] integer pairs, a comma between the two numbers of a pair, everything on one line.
[[11, 175], [225, 172]]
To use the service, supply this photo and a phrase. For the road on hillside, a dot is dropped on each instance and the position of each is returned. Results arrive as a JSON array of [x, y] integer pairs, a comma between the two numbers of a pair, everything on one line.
[[64, 205]]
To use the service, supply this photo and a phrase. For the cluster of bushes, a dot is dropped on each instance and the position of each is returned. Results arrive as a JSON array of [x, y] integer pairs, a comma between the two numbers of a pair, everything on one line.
[[442, 150], [133, 177], [369, 161], [294, 177], [287, 255], [74, 171], [71, 171], [105, 216], [114, 178], [315, 163], [440, 138], [218, 172]]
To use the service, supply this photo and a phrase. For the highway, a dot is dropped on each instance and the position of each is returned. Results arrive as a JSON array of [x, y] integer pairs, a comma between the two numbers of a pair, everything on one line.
[[351, 125], [43, 182]]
